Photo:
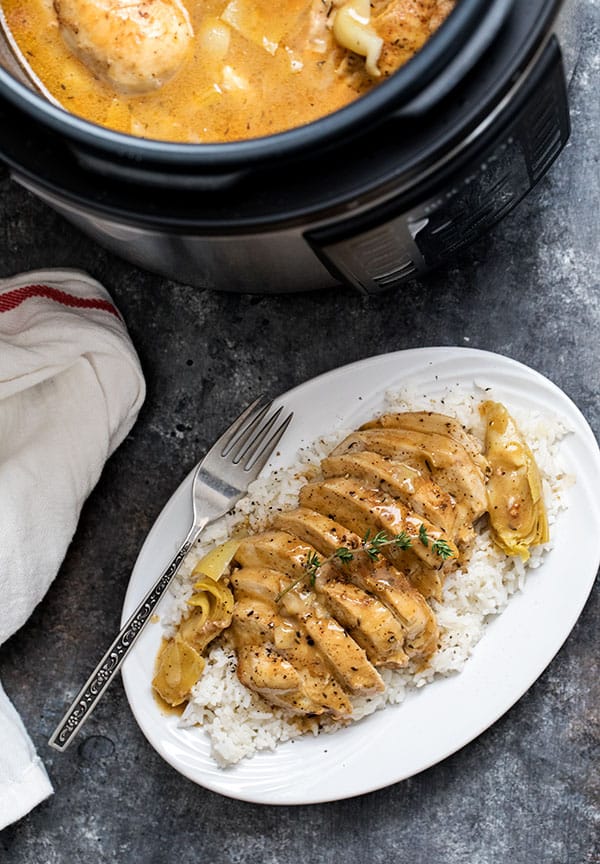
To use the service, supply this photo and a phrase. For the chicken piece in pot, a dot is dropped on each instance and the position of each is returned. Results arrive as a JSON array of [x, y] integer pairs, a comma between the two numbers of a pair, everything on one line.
[[404, 26], [134, 47], [386, 32]]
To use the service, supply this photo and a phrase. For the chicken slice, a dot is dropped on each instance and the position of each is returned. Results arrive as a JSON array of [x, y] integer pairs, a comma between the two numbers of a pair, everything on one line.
[[260, 582], [260, 669], [323, 533], [404, 27], [367, 620], [432, 422], [391, 587], [259, 631], [346, 659], [449, 464], [369, 511], [276, 550], [135, 47], [409, 485]]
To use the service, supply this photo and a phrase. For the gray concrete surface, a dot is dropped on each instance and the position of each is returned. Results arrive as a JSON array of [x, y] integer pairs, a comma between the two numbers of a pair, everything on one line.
[[524, 792]]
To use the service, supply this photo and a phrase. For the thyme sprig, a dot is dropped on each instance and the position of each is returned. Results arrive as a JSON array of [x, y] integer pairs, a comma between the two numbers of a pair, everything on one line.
[[372, 546]]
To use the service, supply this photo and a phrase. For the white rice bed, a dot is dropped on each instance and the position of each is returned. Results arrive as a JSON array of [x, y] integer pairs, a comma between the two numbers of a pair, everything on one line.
[[238, 722]]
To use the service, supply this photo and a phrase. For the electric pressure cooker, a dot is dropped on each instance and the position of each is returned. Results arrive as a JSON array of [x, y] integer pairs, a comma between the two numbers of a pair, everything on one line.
[[383, 190]]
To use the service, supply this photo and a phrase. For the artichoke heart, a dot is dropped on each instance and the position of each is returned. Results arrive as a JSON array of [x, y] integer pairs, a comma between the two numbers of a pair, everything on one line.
[[178, 667], [215, 562], [514, 488], [180, 663]]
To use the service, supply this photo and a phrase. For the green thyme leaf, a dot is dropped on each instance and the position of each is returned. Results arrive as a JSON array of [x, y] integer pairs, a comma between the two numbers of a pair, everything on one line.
[[373, 545], [442, 548], [312, 565], [402, 540]]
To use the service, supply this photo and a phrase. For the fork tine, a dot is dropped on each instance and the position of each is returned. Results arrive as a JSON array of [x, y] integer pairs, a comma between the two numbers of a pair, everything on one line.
[[248, 445], [260, 456], [246, 433], [240, 426]]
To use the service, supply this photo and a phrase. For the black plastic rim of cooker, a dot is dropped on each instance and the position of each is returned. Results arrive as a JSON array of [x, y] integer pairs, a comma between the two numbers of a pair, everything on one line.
[[269, 192]]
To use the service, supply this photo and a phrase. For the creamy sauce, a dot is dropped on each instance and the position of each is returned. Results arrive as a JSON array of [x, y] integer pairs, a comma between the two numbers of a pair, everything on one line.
[[280, 68]]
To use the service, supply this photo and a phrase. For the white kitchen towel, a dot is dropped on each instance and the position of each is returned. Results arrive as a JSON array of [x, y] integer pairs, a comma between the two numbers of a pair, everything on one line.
[[71, 387]]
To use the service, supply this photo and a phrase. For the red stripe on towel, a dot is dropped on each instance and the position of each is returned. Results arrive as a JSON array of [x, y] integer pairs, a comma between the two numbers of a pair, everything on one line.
[[14, 297]]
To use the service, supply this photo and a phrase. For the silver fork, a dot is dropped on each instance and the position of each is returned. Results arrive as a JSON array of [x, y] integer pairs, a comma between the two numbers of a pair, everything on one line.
[[219, 481]]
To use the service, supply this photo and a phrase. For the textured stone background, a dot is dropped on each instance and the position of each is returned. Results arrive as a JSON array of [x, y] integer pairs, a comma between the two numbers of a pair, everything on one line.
[[527, 790]]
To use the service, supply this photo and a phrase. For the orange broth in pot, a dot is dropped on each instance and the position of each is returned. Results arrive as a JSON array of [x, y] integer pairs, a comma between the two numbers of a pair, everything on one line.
[[255, 67]]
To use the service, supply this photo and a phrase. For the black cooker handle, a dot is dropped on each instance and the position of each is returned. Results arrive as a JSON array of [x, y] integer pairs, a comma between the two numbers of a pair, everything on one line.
[[423, 229]]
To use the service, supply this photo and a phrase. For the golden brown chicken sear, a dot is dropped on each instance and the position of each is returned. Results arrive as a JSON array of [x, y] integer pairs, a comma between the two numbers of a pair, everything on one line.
[[404, 26]]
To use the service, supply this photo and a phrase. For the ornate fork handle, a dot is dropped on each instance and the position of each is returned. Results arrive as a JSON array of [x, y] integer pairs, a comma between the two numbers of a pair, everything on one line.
[[107, 668]]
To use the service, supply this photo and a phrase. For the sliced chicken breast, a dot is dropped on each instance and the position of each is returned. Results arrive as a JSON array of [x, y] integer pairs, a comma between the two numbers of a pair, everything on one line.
[[338, 587], [447, 461], [409, 485], [260, 635], [369, 511], [391, 587], [347, 661], [276, 550], [370, 623], [323, 533], [280, 551], [367, 619]]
